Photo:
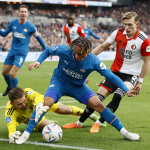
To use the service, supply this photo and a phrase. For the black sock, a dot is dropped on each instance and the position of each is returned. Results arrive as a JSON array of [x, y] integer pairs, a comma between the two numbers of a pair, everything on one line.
[[87, 112], [114, 104]]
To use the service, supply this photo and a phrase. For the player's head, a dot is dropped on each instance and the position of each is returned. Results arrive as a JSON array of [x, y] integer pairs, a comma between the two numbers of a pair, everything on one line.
[[81, 48], [23, 12], [70, 19], [17, 98], [131, 22], [84, 23]]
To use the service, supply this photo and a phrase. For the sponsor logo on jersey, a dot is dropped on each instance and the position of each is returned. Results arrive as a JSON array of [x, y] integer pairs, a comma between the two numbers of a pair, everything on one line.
[[19, 35], [148, 49], [31, 107], [52, 85], [72, 73], [8, 119], [25, 30], [133, 46], [30, 92], [102, 65], [82, 70]]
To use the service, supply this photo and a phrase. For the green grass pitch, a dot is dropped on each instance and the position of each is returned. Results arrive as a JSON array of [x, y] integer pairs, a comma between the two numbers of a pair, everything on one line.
[[134, 113]]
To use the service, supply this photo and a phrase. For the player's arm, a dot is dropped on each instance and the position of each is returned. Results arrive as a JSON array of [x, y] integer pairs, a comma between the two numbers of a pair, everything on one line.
[[7, 31], [39, 39], [63, 36], [97, 50], [81, 31], [92, 33]]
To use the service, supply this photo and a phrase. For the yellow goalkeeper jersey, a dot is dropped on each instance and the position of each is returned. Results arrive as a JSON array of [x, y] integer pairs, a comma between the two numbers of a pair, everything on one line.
[[16, 116]]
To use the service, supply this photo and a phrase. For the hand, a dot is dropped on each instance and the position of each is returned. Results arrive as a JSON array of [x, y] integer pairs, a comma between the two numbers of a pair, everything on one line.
[[14, 136], [32, 65], [138, 86], [39, 110], [132, 93], [23, 138]]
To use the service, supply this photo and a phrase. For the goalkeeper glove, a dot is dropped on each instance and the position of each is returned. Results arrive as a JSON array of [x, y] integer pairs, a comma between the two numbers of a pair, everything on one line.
[[39, 110], [23, 138], [14, 136]]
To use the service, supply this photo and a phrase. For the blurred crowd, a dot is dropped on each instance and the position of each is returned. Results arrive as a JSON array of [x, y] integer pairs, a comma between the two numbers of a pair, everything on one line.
[[51, 32]]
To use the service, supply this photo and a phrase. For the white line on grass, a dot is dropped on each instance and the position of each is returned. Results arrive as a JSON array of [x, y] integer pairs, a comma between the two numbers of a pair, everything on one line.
[[2, 106], [55, 145]]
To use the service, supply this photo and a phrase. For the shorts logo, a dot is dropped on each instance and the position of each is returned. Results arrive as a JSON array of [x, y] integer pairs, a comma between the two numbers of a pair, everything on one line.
[[133, 46], [52, 85], [8, 119], [102, 65], [103, 81], [148, 49]]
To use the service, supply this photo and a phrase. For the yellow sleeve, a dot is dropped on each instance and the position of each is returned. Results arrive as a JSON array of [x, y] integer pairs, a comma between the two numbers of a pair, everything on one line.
[[10, 117], [33, 96]]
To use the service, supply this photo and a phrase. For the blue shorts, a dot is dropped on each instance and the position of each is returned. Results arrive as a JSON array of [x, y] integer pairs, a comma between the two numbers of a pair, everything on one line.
[[15, 59], [57, 89]]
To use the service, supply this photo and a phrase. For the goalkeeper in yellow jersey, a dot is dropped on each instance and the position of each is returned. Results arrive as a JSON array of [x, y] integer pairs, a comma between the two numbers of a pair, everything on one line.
[[21, 105]]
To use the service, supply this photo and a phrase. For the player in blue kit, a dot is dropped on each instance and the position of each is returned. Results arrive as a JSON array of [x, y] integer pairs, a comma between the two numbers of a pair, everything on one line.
[[88, 31], [75, 64], [22, 30]]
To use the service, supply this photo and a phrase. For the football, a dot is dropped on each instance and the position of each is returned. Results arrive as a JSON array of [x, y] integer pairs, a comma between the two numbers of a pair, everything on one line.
[[52, 133]]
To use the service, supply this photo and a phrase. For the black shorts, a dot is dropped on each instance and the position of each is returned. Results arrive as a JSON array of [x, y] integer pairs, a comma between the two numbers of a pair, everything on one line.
[[107, 84]]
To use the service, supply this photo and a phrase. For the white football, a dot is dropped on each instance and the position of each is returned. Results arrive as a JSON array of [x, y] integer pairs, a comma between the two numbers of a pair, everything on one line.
[[52, 133]]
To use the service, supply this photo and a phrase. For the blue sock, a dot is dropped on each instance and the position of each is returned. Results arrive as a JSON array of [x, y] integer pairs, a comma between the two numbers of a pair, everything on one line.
[[32, 124], [111, 118], [8, 81], [15, 82]]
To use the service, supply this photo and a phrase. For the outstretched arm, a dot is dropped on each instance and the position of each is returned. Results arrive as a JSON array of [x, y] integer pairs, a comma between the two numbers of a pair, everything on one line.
[[5, 33]]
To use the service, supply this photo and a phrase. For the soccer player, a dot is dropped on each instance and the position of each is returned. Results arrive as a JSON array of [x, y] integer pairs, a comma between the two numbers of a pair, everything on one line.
[[133, 48], [75, 64], [22, 30], [21, 105], [71, 30], [88, 31]]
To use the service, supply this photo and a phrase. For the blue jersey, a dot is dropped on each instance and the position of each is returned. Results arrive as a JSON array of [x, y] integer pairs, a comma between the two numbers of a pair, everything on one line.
[[89, 32], [76, 72], [21, 35]]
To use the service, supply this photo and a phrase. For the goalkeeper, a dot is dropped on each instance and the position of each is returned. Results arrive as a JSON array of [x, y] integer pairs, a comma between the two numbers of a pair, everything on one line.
[[21, 105]]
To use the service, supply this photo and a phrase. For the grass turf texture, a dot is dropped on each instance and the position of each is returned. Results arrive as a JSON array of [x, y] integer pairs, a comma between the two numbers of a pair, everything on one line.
[[133, 113]]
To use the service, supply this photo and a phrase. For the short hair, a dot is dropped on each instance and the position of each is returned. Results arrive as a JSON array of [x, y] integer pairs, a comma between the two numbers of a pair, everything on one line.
[[15, 93], [24, 6], [130, 15], [84, 20], [82, 42], [71, 15]]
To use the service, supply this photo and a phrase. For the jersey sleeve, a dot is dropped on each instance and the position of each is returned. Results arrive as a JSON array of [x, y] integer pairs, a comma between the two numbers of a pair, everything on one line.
[[112, 37], [81, 31], [33, 96], [11, 118], [7, 31], [92, 33], [145, 48]]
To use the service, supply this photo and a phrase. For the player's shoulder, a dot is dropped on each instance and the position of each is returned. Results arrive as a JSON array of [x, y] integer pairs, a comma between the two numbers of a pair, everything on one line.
[[28, 91], [120, 30], [9, 109], [77, 25], [14, 21], [142, 35]]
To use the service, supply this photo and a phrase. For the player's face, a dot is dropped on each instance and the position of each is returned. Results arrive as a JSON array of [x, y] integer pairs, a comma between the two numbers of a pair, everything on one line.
[[131, 27], [70, 20], [84, 24], [20, 103], [78, 53], [23, 13]]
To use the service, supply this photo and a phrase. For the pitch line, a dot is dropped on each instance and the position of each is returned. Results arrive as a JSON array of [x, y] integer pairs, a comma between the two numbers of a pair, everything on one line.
[[55, 145]]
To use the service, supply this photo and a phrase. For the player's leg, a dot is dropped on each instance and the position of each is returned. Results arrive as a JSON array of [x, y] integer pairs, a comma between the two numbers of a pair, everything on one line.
[[111, 118], [7, 78]]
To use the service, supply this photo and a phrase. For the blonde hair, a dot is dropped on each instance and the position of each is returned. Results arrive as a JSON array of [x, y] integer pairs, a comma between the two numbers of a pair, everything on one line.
[[130, 15]]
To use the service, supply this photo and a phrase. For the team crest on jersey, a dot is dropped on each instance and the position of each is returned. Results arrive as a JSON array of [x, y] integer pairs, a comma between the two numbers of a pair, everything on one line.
[[82, 70], [148, 49], [82, 31], [133, 46], [102, 65], [25, 30], [31, 107], [8, 119]]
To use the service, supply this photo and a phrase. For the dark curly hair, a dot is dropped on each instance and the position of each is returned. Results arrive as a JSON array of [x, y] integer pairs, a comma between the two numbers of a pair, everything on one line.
[[82, 43]]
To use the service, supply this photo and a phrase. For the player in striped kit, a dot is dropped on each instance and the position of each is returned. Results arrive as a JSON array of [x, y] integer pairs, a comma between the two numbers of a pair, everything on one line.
[[133, 48]]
